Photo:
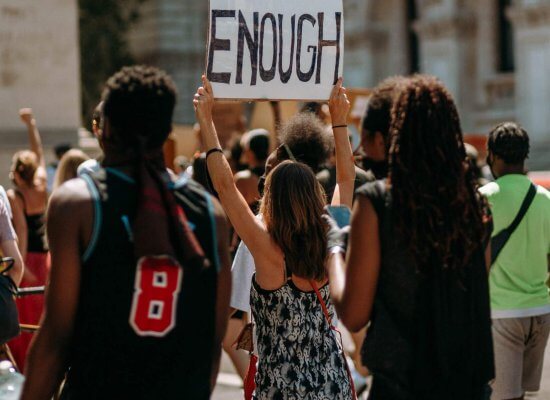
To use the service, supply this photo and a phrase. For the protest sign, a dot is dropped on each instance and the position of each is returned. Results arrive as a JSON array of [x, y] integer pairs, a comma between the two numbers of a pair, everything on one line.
[[276, 50]]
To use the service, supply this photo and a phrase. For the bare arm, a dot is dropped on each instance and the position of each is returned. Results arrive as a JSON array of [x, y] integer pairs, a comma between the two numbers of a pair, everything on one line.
[[19, 222], [252, 232], [46, 364], [35, 142], [224, 288], [353, 286], [277, 119], [345, 168]]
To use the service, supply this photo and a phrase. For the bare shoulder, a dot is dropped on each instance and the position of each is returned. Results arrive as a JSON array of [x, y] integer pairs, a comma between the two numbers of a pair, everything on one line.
[[72, 196]]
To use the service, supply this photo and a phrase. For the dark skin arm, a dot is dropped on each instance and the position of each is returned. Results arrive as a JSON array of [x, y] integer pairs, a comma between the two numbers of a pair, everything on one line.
[[70, 217], [224, 288], [353, 284]]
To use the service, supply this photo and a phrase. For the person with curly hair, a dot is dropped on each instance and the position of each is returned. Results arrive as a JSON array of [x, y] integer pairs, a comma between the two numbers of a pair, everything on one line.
[[138, 296], [520, 299], [416, 264]]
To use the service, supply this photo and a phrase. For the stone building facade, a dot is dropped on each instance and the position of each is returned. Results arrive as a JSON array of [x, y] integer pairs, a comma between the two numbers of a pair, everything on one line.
[[494, 55], [39, 68]]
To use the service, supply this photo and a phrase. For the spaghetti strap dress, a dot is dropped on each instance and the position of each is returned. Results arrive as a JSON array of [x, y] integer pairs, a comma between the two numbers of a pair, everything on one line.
[[299, 356]]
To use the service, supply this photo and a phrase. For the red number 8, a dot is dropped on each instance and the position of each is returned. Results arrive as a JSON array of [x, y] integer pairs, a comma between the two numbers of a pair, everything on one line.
[[156, 290]]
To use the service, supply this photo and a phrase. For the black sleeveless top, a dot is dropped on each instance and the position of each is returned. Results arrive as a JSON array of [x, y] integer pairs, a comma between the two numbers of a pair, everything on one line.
[[430, 333], [110, 355], [36, 228]]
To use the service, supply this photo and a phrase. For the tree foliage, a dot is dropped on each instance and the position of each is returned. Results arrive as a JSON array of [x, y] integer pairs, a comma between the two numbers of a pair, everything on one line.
[[104, 26]]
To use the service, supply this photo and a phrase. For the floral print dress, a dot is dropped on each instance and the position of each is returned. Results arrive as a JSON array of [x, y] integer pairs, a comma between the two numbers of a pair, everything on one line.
[[299, 356]]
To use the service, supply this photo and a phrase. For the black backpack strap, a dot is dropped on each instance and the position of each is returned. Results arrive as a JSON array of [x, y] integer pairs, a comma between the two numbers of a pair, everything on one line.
[[499, 241]]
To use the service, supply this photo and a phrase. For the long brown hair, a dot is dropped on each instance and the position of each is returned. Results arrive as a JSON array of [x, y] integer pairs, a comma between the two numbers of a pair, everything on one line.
[[68, 166], [292, 208], [437, 212]]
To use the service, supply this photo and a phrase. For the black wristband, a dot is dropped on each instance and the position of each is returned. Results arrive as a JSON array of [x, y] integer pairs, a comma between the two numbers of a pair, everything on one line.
[[339, 126], [214, 150]]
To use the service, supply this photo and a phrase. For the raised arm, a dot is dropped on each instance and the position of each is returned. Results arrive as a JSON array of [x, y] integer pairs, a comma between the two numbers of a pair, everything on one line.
[[35, 142], [353, 283], [345, 168], [69, 208], [251, 231]]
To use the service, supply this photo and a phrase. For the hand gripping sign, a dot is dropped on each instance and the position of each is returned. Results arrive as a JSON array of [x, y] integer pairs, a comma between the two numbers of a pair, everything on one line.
[[275, 49]]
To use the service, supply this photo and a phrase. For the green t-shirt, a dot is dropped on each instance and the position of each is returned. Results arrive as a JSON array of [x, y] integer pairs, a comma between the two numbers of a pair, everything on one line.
[[518, 276]]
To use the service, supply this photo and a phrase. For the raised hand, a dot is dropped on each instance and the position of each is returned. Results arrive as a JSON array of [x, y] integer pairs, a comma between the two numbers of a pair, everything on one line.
[[339, 104], [26, 115], [204, 101]]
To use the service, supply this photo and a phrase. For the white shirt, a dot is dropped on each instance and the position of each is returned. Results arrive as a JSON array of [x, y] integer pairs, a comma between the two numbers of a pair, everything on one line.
[[242, 271], [6, 201], [88, 167], [241, 274]]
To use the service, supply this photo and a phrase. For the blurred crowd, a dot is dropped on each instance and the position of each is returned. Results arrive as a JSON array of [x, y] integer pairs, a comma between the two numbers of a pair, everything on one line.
[[433, 260]]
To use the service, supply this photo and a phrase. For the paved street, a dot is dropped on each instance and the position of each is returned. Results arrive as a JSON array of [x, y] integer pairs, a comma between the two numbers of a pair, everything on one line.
[[229, 385]]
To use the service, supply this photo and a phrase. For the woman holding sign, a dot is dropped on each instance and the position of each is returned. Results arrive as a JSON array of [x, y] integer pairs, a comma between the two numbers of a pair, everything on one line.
[[416, 260], [299, 354]]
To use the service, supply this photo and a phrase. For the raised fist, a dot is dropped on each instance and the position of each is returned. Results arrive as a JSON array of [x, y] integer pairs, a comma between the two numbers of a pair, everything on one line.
[[26, 115]]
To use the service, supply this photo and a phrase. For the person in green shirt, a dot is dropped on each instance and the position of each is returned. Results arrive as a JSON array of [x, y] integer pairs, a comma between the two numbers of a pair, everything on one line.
[[520, 298]]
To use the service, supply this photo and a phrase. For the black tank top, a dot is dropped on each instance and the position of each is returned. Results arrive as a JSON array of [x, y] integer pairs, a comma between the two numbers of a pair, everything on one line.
[[110, 357], [36, 228], [430, 333]]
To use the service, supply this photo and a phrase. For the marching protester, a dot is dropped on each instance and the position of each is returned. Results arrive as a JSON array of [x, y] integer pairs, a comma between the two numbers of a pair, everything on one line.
[[11, 273], [138, 296], [299, 356], [520, 299], [374, 137], [255, 145], [93, 164], [28, 200], [305, 140], [51, 168], [375, 127], [416, 263]]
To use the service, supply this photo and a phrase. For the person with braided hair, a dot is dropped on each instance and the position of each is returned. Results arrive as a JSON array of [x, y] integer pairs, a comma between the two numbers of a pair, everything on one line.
[[416, 264], [138, 297]]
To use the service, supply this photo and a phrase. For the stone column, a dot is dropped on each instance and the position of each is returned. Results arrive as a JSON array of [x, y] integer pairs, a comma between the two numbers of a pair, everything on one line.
[[531, 20], [172, 35], [39, 68], [447, 49]]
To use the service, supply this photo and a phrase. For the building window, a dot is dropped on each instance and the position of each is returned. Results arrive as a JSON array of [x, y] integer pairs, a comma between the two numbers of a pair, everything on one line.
[[506, 38], [414, 50]]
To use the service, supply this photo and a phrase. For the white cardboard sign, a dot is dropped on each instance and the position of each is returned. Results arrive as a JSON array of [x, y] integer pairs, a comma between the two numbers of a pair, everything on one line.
[[275, 49]]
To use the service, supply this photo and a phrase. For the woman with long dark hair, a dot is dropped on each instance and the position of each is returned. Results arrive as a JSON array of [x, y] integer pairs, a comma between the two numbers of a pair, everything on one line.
[[416, 264], [299, 355]]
